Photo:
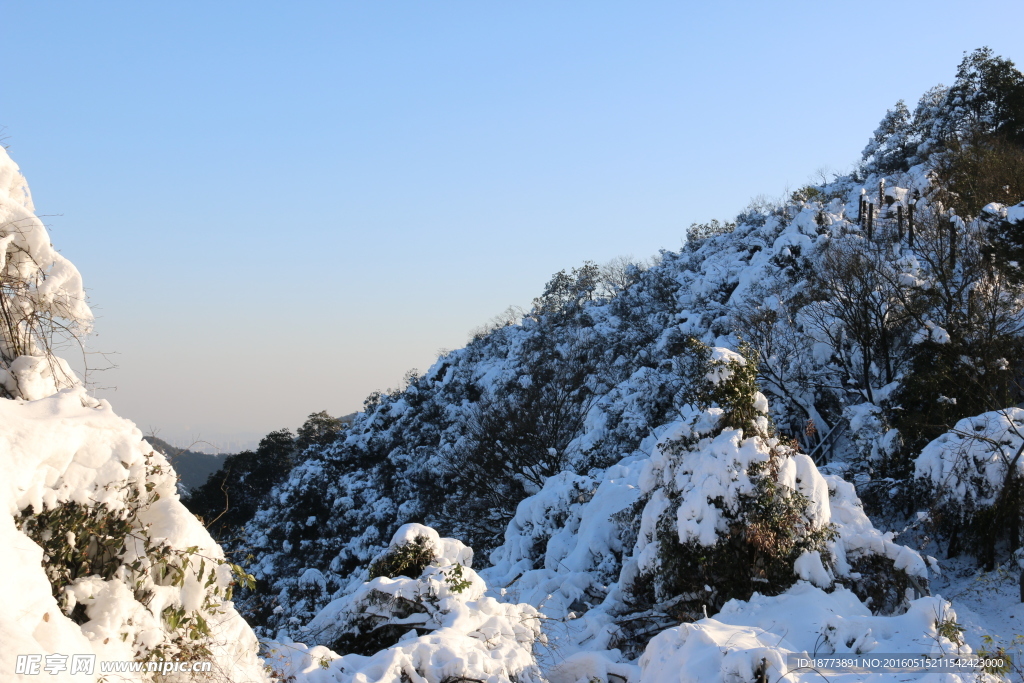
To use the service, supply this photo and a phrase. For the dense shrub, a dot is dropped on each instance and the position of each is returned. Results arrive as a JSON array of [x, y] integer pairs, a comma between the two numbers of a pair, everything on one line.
[[722, 516]]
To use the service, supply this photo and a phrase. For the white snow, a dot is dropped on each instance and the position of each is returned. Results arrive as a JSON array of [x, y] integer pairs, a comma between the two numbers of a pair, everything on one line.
[[802, 621], [70, 448], [969, 464], [453, 629], [1015, 214], [39, 284]]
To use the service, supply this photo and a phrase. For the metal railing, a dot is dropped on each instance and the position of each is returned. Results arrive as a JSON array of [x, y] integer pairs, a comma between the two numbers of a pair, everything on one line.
[[822, 453]]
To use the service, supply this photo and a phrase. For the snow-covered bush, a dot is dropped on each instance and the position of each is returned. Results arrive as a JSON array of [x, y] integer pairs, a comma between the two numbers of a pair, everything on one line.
[[433, 624], [864, 310], [974, 477], [891, 146], [701, 231], [106, 559], [42, 301], [411, 577], [408, 557], [729, 508], [87, 546], [761, 640]]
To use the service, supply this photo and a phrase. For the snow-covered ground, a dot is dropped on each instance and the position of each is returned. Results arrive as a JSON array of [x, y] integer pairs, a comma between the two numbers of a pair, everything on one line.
[[986, 603]]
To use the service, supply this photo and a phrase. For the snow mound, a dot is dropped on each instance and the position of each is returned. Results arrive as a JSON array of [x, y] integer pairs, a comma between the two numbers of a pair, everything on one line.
[[440, 626], [762, 637], [69, 457], [969, 464]]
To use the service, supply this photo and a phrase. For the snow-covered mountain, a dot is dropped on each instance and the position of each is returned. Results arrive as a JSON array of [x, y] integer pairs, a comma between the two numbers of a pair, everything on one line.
[[654, 475], [591, 448]]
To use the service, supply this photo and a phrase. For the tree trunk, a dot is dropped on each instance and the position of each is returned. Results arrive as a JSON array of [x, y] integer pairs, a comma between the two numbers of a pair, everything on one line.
[[953, 549]]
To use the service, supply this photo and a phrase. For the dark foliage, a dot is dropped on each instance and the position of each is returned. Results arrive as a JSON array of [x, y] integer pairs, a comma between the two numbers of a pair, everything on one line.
[[231, 496], [406, 560]]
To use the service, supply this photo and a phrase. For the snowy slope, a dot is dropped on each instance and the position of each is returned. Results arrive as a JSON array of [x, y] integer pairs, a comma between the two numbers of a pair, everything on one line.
[[402, 457], [585, 586], [568, 543]]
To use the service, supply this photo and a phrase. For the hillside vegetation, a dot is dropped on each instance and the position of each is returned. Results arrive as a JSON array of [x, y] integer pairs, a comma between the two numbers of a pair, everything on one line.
[[630, 452], [703, 467]]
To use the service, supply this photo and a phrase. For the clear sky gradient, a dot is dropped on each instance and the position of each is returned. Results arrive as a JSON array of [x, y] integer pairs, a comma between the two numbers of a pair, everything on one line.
[[281, 207]]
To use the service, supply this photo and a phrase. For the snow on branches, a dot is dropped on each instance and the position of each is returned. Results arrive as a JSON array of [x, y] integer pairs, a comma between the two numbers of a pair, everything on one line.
[[41, 296], [429, 624]]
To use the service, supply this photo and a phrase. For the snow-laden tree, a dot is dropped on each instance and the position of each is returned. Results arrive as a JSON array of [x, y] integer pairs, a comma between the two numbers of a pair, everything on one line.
[[42, 302], [972, 133], [731, 509], [987, 98], [975, 475], [719, 521], [891, 146]]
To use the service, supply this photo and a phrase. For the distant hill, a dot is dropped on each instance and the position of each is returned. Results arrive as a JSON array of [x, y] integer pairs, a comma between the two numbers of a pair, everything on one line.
[[194, 468]]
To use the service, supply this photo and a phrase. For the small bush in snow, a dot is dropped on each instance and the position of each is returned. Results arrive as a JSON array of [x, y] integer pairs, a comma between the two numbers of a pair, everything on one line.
[[434, 625], [408, 559]]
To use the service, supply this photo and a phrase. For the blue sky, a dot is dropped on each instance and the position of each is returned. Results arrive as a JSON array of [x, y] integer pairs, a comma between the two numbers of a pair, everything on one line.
[[281, 207]]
